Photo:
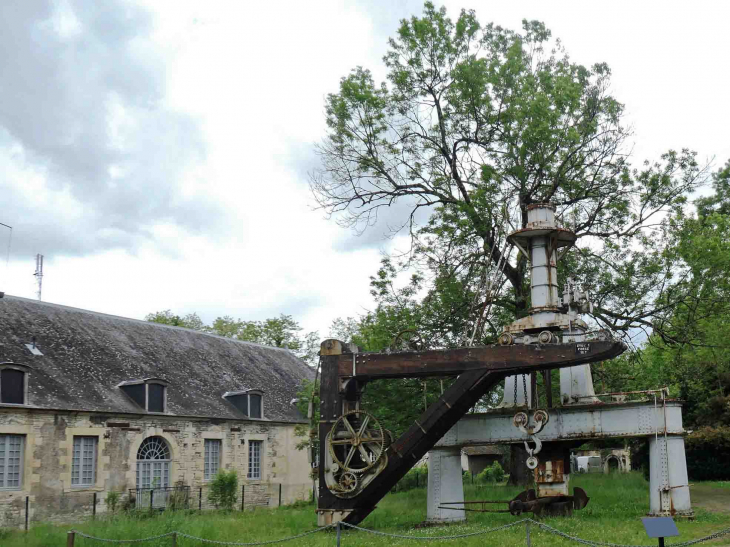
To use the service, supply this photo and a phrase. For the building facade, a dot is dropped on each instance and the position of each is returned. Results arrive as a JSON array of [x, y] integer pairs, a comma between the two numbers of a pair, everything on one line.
[[92, 403]]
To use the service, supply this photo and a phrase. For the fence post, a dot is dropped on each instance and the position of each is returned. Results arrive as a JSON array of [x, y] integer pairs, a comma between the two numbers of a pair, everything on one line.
[[93, 508], [339, 534], [174, 539], [527, 531], [27, 511], [70, 538], [279, 494], [200, 499], [243, 492], [152, 497]]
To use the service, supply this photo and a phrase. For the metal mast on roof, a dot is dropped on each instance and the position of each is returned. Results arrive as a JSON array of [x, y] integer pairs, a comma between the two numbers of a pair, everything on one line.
[[39, 273]]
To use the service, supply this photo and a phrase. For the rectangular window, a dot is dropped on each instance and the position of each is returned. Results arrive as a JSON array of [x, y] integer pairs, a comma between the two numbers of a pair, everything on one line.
[[254, 459], [12, 389], [155, 398], [11, 461], [254, 402], [212, 458], [83, 468]]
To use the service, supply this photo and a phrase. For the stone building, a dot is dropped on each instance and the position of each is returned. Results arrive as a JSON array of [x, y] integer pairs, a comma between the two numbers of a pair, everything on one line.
[[476, 459], [96, 403]]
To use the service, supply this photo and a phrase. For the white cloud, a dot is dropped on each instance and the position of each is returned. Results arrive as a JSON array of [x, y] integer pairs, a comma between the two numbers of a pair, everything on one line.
[[203, 133]]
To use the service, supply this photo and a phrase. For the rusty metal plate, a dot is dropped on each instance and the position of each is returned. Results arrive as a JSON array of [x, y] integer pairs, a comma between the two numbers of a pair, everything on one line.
[[549, 471]]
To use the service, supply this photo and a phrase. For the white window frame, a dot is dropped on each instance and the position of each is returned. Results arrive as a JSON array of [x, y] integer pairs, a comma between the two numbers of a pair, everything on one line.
[[247, 393], [26, 374], [147, 382], [80, 464], [5, 461], [212, 450], [150, 469], [255, 454]]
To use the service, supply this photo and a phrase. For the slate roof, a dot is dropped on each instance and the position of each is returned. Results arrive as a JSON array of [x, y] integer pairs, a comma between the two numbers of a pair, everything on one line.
[[87, 354]]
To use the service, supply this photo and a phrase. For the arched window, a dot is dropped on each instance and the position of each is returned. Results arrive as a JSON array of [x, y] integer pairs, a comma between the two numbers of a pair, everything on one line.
[[153, 463]]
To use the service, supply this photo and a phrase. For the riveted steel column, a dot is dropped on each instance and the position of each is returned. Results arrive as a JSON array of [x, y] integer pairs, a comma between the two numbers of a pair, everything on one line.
[[445, 485]]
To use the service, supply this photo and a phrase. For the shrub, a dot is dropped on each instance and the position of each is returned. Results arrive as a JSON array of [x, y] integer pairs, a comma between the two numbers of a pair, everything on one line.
[[224, 490], [708, 451], [497, 472], [111, 500], [485, 476]]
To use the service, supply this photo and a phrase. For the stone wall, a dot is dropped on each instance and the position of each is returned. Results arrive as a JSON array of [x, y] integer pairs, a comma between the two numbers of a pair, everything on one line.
[[48, 448]]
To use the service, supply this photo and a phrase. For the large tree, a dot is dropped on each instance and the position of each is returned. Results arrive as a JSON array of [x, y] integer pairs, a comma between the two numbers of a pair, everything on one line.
[[474, 124]]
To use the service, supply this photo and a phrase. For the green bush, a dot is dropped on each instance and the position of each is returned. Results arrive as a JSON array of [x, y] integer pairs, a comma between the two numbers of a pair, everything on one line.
[[491, 474], [485, 476], [111, 500], [497, 472], [224, 490], [708, 451]]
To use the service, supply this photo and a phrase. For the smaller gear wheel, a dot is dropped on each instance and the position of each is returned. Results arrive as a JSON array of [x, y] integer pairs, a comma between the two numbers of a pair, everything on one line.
[[348, 482]]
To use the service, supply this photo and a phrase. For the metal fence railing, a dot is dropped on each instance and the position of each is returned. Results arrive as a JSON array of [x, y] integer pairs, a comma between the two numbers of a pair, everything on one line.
[[71, 507], [173, 497]]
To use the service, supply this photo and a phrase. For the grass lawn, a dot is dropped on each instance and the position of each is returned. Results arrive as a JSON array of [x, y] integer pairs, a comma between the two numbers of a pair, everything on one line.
[[613, 515]]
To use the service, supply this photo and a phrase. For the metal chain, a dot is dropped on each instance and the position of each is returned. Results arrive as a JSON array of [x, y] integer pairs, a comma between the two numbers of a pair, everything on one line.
[[122, 540], [545, 527], [515, 390], [524, 386], [573, 538], [257, 542], [716, 535], [471, 534]]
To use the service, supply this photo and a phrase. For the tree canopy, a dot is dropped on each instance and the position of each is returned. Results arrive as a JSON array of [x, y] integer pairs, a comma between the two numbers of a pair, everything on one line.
[[476, 122], [280, 332]]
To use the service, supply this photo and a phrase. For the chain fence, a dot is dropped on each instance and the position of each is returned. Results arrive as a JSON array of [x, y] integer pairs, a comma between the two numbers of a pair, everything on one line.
[[340, 527]]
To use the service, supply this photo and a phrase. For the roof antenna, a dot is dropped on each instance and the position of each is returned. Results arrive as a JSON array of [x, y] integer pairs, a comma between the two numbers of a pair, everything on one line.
[[39, 273]]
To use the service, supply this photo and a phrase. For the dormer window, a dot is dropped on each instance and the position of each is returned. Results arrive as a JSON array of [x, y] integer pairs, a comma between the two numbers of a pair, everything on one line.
[[14, 384], [249, 402], [150, 393]]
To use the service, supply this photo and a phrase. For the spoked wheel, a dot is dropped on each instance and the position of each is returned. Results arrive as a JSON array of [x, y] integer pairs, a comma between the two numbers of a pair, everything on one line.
[[356, 441]]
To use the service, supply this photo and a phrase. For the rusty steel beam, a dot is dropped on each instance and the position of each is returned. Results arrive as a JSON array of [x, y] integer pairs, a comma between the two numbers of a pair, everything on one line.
[[507, 359], [478, 370]]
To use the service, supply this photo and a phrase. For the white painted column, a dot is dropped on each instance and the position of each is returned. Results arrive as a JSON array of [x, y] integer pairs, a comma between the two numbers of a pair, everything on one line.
[[445, 484], [576, 385], [668, 483]]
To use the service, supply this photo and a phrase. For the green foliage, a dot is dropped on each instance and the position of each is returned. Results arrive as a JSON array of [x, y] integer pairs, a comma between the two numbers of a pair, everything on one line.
[[111, 500], [223, 491], [491, 474], [416, 477], [708, 451], [280, 332], [166, 317], [474, 124]]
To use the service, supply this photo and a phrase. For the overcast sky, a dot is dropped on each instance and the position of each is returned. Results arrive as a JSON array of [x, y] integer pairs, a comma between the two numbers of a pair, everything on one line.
[[157, 152]]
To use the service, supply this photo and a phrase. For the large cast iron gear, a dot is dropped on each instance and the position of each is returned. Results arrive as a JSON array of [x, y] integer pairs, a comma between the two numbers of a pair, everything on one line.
[[359, 433]]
